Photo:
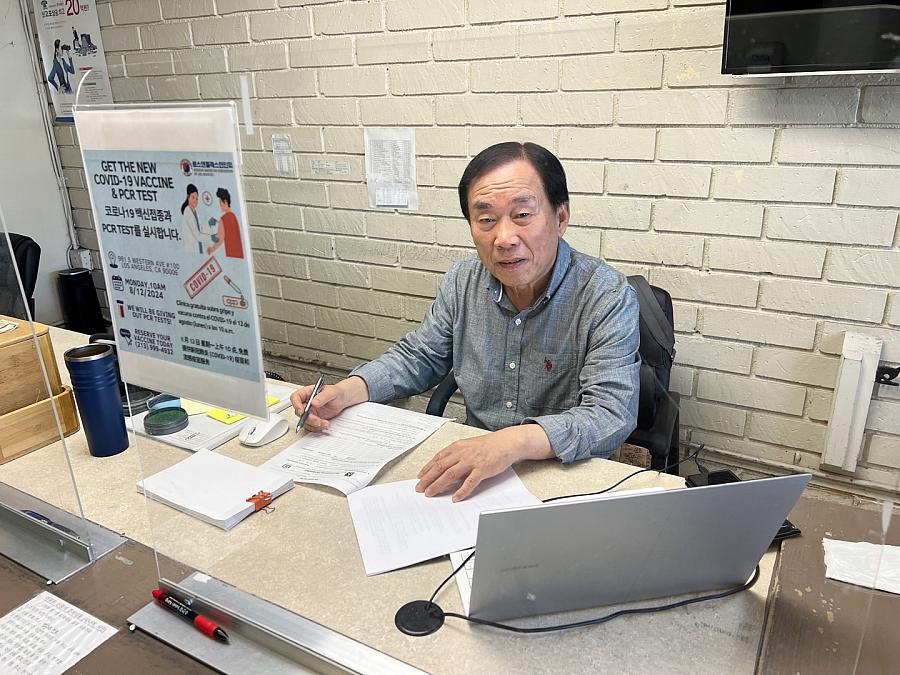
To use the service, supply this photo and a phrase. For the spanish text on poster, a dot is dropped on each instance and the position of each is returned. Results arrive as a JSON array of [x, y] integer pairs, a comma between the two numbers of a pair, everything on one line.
[[69, 33], [170, 216]]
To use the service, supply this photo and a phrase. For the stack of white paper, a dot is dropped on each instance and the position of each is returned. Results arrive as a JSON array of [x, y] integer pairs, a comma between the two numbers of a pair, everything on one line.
[[359, 443], [214, 488]]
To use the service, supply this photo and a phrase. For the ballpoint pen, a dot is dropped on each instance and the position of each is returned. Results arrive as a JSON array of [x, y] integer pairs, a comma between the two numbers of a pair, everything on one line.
[[308, 408]]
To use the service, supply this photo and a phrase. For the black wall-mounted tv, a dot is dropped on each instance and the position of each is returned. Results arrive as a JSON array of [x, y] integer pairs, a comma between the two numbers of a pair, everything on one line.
[[770, 37]]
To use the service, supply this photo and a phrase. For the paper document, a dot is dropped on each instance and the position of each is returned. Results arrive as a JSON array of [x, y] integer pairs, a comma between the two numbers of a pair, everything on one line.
[[391, 168], [206, 433], [361, 440], [465, 576], [863, 564], [214, 488], [46, 636], [397, 526]]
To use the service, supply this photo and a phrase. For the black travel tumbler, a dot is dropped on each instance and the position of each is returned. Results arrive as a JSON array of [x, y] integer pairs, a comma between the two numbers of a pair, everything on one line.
[[93, 372]]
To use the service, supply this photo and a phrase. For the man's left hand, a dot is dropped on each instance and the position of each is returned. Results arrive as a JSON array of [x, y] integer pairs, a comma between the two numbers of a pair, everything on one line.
[[472, 460]]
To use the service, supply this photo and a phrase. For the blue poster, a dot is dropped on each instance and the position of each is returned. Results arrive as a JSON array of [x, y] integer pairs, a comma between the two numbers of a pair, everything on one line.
[[174, 238]]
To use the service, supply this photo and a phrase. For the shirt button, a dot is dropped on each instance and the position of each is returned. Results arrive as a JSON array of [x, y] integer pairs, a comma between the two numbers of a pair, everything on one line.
[[518, 322], [509, 404], [512, 365]]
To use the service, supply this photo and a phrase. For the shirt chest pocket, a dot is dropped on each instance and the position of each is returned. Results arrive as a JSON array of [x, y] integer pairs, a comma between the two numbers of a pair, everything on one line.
[[550, 381]]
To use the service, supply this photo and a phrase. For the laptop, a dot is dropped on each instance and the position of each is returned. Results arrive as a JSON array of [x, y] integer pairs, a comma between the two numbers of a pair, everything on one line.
[[616, 548]]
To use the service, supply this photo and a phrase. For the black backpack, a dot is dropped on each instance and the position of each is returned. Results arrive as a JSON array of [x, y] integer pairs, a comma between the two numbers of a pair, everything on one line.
[[657, 347]]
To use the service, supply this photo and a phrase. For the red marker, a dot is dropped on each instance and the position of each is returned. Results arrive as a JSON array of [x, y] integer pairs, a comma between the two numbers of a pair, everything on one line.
[[201, 623]]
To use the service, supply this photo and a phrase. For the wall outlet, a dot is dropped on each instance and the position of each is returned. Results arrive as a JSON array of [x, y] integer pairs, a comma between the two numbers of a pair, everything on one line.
[[83, 256]]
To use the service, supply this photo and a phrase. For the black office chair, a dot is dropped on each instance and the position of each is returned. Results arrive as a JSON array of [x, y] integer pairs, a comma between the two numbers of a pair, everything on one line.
[[658, 422], [27, 255]]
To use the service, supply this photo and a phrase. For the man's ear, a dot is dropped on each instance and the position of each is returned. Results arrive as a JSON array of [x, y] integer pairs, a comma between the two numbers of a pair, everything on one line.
[[562, 214]]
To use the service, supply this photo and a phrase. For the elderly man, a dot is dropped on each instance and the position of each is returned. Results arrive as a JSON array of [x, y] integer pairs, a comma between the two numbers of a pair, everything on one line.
[[543, 340]]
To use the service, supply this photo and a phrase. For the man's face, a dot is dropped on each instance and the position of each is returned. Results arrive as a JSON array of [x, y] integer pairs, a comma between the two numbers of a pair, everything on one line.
[[515, 229]]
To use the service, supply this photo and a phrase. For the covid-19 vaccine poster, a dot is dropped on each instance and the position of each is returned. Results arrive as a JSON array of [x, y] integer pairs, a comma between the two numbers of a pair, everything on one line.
[[168, 206]]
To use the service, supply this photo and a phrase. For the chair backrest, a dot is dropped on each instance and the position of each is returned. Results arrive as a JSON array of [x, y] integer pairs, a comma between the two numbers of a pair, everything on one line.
[[657, 346], [28, 259], [27, 255]]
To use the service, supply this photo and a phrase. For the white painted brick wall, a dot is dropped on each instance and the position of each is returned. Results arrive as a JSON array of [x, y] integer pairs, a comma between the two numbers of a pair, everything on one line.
[[606, 143], [796, 366], [664, 180], [793, 260], [767, 207], [774, 183], [842, 226], [715, 145], [662, 249], [843, 302], [672, 107], [751, 393], [275, 26], [612, 71], [869, 187], [759, 327], [733, 219]]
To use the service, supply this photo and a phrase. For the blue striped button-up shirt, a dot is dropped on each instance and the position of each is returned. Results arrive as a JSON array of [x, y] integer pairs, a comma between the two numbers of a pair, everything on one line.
[[568, 363]]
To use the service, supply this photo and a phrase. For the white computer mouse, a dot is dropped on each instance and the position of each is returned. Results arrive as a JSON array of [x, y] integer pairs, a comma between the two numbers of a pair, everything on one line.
[[258, 432]]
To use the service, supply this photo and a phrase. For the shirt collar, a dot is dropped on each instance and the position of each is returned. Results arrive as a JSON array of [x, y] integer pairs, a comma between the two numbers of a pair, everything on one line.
[[560, 267]]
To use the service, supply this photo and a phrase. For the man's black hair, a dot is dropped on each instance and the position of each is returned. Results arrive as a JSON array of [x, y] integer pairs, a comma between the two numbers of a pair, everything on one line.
[[544, 162], [224, 195]]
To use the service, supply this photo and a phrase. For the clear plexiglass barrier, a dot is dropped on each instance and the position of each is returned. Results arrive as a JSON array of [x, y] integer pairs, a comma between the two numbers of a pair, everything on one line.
[[262, 227], [45, 520]]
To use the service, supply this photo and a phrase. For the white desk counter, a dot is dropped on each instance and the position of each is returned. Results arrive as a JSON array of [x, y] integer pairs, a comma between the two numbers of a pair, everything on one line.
[[304, 556]]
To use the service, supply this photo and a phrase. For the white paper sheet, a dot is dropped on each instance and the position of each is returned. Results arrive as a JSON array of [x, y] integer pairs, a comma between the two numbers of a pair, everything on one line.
[[863, 564], [397, 526], [46, 636], [391, 168], [361, 440]]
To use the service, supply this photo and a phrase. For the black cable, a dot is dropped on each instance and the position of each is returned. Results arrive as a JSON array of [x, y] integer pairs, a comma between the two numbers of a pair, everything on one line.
[[614, 615], [452, 574], [631, 475]]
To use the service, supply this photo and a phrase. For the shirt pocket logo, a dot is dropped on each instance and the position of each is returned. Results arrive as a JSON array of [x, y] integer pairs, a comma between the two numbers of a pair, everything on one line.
[[552, 381]]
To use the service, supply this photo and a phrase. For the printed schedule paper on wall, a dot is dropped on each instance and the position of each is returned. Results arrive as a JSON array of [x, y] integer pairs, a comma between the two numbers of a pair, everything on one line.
[[46, 636], [167, 199]]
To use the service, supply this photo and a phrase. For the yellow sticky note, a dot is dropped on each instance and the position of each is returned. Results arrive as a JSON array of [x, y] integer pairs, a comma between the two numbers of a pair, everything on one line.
[[225, 416], [194, 407], [272, 400]]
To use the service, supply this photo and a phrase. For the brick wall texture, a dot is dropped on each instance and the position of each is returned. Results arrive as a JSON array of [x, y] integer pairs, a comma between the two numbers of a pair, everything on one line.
[[767, 207]]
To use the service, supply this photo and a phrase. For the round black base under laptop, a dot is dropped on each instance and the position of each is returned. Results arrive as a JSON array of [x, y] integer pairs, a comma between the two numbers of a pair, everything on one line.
[[164, 421], [419, 618]]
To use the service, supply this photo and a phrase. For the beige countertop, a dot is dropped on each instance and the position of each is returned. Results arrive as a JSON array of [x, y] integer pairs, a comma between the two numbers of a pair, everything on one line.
[[304, 556]]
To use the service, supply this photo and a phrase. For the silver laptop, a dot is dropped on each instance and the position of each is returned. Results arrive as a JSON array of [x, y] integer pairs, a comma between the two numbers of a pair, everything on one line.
[[611, 549]]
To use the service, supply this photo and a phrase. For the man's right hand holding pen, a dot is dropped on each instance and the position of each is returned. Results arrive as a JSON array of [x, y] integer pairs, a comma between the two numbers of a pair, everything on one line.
[[330, 401]]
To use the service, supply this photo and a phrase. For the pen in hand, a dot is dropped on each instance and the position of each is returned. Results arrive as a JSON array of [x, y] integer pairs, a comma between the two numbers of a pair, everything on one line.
[[315, 392], [201, 623]]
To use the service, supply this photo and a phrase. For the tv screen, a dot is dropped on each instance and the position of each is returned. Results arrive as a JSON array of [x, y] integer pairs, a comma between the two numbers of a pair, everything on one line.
[[810, 36]]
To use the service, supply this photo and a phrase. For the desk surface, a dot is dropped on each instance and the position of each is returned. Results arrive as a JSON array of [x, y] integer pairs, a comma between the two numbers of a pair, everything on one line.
[[304, 556], [112, 589]]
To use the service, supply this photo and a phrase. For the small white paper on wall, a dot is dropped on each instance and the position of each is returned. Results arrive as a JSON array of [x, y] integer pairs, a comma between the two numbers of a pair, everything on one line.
[[283, 154], [391, 168]]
